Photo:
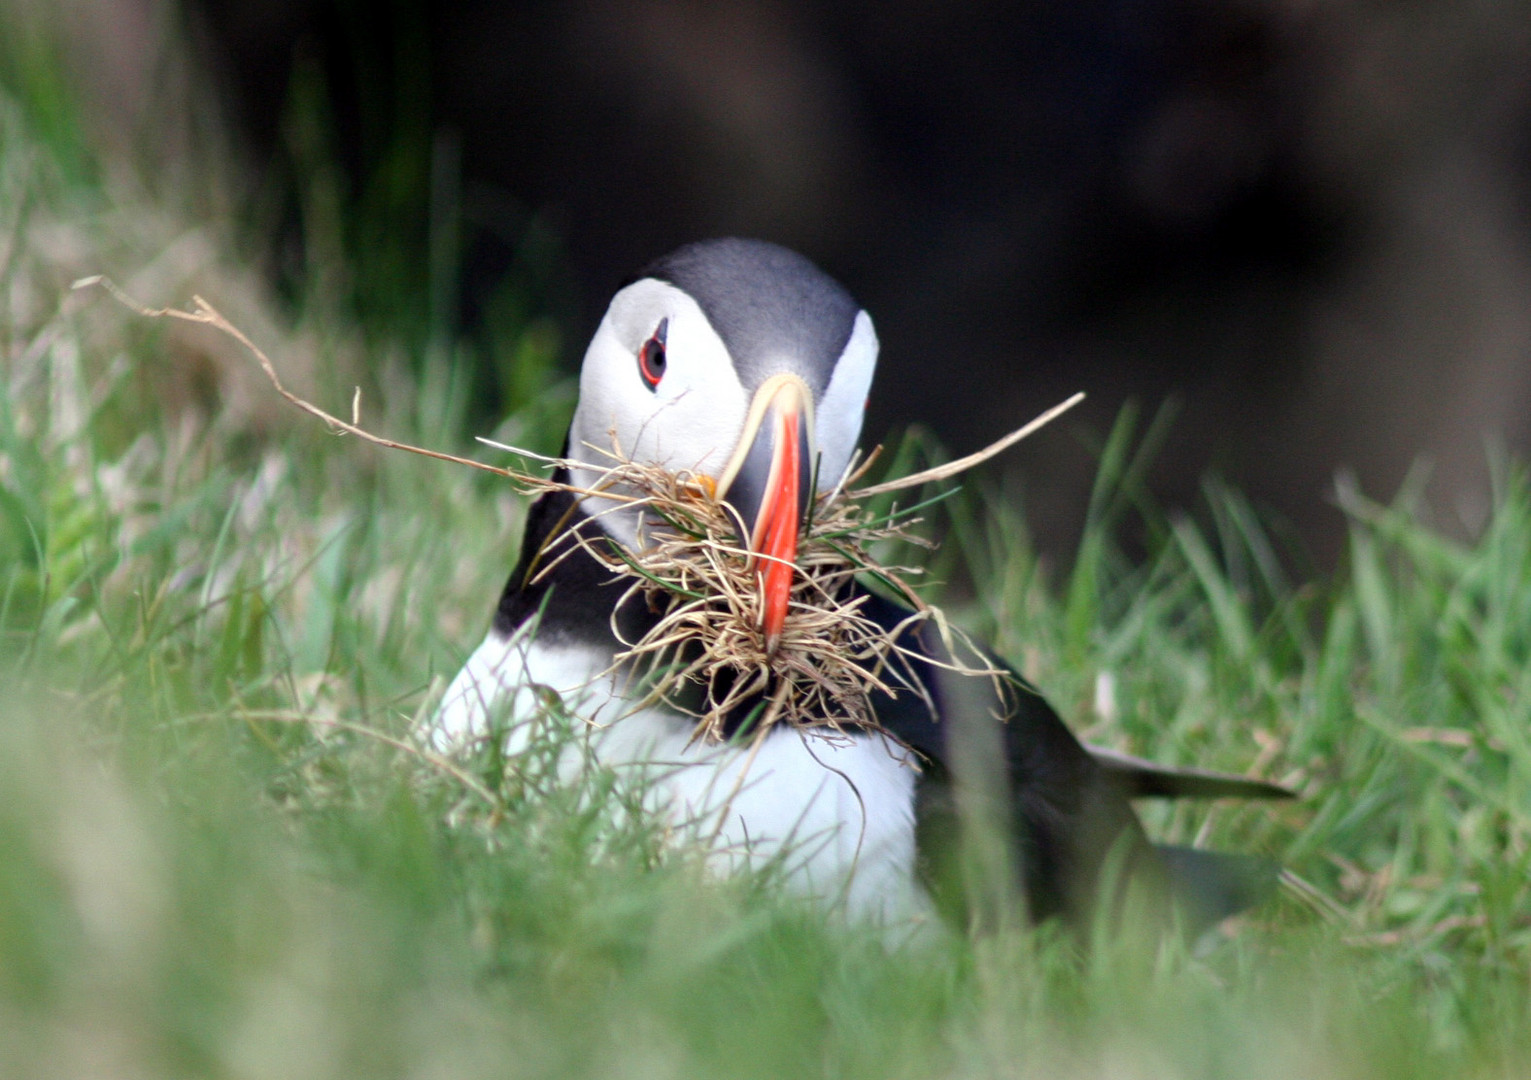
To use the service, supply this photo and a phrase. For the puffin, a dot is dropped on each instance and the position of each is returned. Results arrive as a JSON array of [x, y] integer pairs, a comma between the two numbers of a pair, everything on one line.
[[743, 362]]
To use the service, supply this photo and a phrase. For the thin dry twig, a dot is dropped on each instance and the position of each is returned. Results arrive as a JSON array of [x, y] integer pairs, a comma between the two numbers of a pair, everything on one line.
[[963, 464], [705, 655], [207, 315]]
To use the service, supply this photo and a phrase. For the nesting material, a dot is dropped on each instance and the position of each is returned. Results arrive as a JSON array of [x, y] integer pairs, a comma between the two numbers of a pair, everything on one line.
[[706, 655]]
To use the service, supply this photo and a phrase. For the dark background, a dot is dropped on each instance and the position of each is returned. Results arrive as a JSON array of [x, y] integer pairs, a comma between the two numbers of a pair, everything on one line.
[[1305, 221]]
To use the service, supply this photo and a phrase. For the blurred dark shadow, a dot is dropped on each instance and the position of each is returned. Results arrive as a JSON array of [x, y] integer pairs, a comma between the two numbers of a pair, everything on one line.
[[1306, 220]]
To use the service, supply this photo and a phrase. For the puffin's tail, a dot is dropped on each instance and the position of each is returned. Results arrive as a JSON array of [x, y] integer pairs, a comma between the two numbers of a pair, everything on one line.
[[1208, 886]]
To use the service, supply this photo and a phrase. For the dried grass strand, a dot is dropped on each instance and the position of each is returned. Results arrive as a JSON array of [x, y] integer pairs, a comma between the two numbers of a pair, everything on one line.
[[978, 457], [208, 315]]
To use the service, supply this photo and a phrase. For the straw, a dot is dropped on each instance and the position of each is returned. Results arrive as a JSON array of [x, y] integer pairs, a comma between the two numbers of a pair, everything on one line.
[[706, 656]]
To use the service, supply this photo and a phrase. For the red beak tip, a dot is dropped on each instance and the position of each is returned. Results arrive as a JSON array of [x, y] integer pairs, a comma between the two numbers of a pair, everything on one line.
[[775, 533]]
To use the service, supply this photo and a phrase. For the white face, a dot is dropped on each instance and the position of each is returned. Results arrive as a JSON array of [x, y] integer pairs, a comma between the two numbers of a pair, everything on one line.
[[693, 418]]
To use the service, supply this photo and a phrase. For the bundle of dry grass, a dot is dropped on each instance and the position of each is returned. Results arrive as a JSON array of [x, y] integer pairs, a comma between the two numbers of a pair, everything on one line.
[[706, 655]]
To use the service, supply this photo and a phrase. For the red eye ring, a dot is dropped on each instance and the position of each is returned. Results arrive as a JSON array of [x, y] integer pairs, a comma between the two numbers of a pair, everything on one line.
[[651, 357]]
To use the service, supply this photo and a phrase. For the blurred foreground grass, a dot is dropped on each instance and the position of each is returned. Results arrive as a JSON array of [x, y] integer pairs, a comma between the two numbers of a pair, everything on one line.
[[223, 857]]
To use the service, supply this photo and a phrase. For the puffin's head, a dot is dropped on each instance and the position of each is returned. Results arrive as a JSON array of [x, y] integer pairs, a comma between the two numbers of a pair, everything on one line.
[[741, 361]]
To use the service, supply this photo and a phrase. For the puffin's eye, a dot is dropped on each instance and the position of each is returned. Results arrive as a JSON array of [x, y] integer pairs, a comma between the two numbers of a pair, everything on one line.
[[651, 358]]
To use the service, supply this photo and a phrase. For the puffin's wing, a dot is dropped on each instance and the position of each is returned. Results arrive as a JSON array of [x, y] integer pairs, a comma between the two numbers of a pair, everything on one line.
[[1071, 799], [909, 719], [1139, 778]]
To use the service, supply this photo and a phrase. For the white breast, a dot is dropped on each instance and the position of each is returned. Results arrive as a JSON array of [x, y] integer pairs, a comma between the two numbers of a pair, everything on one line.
[[837, 813]]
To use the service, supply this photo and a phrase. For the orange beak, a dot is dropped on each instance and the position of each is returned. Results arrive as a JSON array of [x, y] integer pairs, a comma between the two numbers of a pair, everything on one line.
[[769, 480]]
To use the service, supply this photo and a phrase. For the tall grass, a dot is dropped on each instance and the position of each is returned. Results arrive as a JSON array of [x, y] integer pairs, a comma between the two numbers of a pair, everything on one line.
[[223, 855]]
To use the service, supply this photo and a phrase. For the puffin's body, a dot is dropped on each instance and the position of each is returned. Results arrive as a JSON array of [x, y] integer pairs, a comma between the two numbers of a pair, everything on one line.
[[743, 362]]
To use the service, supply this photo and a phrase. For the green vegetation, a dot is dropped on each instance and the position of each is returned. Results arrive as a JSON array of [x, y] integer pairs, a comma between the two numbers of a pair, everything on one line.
[[223, 857]]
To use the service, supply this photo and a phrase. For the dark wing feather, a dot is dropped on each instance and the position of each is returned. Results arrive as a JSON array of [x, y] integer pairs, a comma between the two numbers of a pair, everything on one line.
[[1139, 778], [1061, 809], [1068, 803]]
